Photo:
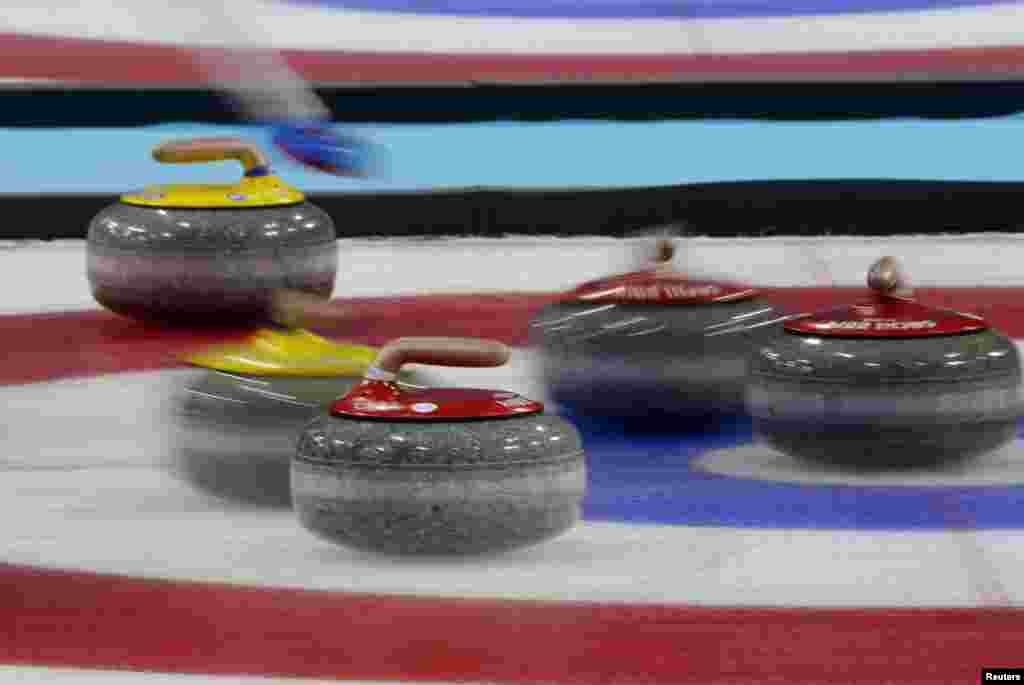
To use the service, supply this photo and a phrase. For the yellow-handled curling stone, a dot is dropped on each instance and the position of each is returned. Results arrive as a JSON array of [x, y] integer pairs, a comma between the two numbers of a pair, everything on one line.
[[210, 253], [238, 422], [437, 471]]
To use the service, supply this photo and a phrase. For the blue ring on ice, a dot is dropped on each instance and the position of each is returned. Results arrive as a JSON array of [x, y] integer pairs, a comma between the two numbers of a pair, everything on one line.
[[649, 479], [657, 9]]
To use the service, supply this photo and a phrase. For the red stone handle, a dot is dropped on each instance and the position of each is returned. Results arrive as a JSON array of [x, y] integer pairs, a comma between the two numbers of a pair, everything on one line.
[[465, 352], [664, 252], [212, 150], [887, 278]]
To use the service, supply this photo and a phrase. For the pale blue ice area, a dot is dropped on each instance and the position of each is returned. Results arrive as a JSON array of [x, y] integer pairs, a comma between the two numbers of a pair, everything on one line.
[[548, 155]]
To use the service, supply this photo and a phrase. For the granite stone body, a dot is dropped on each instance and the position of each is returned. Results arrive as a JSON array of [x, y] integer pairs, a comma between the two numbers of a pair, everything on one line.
[[643, 359], [236, 434], [464, 487], [207, 265], [886, 402]]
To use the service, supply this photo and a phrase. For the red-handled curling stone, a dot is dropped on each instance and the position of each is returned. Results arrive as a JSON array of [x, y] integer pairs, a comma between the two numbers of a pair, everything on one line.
[[886, 382], [237, 423], [440, 470], [654, 341]]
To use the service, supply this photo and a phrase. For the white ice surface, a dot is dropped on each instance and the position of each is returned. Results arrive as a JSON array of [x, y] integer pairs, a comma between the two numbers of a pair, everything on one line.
[[51, 276], [1002, 468], [95, 495], [305, 26], [142, 522]]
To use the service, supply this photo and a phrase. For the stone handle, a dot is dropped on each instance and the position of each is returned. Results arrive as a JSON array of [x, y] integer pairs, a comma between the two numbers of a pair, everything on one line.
[[664, 252], [465, 352], [297, 309], [886, 277], [213, 150]]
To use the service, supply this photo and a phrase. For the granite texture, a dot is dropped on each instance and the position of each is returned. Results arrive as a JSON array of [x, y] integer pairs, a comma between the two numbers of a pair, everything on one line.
[[444, 488], [886, 402], [236, 435], [641, 359], [207, 265]]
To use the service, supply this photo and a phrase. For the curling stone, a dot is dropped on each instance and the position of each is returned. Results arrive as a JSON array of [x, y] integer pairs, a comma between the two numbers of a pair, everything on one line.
[[886, 382], [209, 253], [652, 342], [437, 471], [237, 423]]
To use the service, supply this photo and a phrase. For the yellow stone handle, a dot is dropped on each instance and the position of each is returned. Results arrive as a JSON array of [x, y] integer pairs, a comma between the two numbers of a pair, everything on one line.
[[213, 150], [464, 352]]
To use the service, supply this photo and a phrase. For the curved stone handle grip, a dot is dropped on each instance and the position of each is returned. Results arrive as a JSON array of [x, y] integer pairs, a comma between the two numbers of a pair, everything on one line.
[[464, 352], [887, 277], [664, 252], [213, 150]]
